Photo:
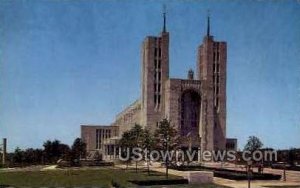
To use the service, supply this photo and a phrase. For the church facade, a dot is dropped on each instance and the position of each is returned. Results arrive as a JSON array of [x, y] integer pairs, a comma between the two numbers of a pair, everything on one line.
[[196, 106]]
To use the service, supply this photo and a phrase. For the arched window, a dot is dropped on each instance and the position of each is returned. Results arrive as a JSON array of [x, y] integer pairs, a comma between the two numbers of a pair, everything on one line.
[[190, 113]]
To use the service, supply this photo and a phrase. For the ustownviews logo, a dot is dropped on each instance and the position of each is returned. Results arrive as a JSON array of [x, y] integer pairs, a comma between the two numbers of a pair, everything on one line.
[[139, 154]]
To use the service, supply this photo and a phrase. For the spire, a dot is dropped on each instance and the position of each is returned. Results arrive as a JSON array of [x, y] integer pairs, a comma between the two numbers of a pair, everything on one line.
[[208, 23], [164, 15], [191, 74]]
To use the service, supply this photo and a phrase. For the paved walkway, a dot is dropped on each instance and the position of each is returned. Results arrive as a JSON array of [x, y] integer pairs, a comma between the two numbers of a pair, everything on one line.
[[51, 167], [156, 168], [254, 184], [293, 177]]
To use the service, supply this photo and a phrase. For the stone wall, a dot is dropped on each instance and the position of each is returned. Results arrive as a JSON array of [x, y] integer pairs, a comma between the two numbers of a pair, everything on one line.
[[128, 117], [88, 135]]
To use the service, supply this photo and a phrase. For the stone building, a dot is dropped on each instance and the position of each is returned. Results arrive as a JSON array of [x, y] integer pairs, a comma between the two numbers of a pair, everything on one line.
[[195, 105]]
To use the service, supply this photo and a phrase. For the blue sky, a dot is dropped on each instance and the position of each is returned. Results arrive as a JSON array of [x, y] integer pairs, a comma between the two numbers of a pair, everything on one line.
[[67, 63]]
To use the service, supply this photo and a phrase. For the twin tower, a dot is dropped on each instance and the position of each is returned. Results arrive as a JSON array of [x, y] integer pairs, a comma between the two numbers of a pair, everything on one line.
[[196, 106]]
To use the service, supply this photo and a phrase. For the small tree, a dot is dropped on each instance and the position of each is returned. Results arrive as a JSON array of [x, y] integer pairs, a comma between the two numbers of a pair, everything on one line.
[[148, 144], [131, 139], [137, 134], [253, 144], [54, 150], [126, 142], [292, 155], [167, 139], [18, 156], [78, 149], [48, 151]]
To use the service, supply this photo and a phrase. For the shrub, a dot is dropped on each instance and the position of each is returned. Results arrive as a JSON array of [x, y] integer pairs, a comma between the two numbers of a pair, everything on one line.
[[117, 184], [159, 182]]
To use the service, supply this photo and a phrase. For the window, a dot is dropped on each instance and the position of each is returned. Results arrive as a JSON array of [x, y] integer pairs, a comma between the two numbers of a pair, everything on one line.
[[158, 99], [214, 57], [97, 139], [155, 52], [214, 67], [159, 52]]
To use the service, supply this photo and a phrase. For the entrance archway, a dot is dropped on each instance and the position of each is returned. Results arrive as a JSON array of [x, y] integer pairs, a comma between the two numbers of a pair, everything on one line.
[[190, 113]]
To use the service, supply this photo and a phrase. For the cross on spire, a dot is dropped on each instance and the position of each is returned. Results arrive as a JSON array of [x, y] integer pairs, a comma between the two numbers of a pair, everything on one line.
[[208, 23], [164, 16]]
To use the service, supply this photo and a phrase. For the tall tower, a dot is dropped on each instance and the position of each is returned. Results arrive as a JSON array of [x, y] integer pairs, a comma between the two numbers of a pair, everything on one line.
[[155, 72], [211, 70]]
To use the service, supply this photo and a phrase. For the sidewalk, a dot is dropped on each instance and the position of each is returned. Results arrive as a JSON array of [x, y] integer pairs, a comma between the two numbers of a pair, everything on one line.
[[254, 184], [295, 181]]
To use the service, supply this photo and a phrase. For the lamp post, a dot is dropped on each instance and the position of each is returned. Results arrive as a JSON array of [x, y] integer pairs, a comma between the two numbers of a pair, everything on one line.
[[249, 173], [4, 151], [284, 172]]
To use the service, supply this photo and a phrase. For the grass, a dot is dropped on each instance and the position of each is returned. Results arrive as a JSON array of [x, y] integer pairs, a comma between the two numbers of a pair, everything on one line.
[[70, 178], [102, 177]]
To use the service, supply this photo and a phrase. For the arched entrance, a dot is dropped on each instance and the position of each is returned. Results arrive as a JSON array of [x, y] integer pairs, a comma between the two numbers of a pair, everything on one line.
[[190, 113]]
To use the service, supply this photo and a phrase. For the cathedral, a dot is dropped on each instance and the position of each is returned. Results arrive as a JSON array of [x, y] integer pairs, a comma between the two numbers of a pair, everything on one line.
[[196, 105]]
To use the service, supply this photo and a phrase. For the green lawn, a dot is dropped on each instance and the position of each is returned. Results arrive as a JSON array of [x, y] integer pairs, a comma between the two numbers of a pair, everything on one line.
[[91, 177]]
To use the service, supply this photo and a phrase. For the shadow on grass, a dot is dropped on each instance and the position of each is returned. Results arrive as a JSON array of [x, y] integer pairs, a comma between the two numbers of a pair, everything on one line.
[[151, 173]]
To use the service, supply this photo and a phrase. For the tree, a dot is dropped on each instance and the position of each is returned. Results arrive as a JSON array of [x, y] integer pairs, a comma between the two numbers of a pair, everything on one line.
[[48, 151], [136, 135], [167, 139], [18, 156], [132, 139], [33, 156], [64, 152], [124, 143], [148, 144], [253, 144], [78, 150], [54, 150], [292, 155]]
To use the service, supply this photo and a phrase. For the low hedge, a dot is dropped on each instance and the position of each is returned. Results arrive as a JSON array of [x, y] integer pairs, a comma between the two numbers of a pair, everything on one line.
[[96, 163], [243, 176], [192, 168], [159, 182], [230, 174], [294, 168]]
